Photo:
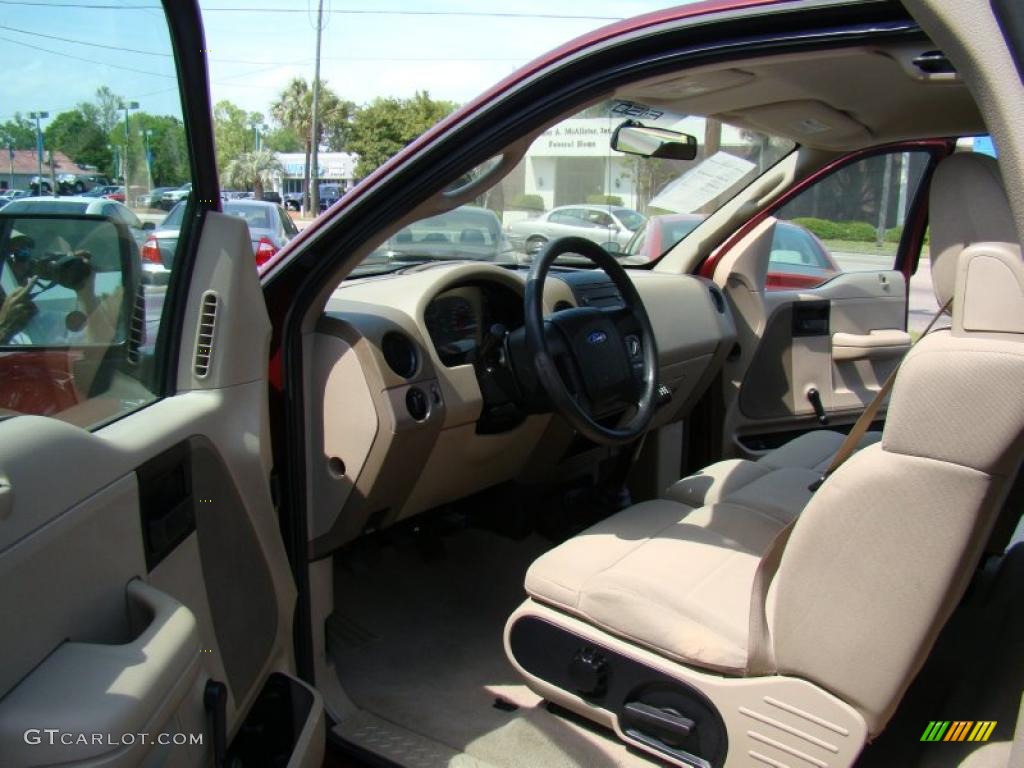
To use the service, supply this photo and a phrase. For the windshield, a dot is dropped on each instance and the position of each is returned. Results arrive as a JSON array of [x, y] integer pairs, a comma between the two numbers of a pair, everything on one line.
[[570, 182]]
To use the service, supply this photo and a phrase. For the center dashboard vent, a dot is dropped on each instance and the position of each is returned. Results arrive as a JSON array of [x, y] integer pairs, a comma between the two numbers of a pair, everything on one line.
[[400, 354]]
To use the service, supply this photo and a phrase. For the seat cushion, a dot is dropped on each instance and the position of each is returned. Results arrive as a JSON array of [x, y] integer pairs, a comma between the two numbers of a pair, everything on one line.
[[723, 480], [658, 574], [715, 482]]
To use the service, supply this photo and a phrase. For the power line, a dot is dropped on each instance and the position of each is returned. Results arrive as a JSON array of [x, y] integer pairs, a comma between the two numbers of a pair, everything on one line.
[[121, 48], [66, 55], [336, 11]]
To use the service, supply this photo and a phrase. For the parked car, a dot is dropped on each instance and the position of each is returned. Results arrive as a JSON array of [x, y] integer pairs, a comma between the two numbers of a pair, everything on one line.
[[152, 198], [292, 201], [271, 196], [329, 195], [102, 191], [172, 196], [77, 183], [270, 227], [117, 193], [8, 195], [798, 258], [608, 225], [80, 204], [467, 232]]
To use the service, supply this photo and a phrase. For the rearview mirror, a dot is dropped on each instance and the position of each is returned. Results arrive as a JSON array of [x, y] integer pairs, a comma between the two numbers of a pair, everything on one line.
[[634, 138], [65, 280]]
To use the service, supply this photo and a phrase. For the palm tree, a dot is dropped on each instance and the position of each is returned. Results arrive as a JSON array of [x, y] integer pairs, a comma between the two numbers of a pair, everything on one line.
[[252, 169], [294, 108]]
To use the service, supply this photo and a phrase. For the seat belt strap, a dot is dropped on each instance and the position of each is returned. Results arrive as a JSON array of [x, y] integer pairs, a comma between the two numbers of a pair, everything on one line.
[[861, 426], [760, 657]]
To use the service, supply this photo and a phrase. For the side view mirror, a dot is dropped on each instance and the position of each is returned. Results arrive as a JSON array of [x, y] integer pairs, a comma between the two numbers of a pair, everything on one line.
[[66, 281], [635, 138]]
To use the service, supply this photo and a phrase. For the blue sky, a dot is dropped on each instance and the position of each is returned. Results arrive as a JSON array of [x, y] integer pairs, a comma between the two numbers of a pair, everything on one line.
[[59, 52]]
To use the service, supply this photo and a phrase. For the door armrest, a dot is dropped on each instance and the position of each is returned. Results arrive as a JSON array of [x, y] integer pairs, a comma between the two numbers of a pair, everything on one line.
[[88, 688]]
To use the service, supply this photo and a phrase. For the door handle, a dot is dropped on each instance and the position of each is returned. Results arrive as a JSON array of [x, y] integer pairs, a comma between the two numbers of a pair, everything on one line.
[[872, 345], [113, 689]]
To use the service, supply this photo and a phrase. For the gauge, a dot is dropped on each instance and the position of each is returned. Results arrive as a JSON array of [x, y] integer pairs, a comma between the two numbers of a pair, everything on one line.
[[452, 323]]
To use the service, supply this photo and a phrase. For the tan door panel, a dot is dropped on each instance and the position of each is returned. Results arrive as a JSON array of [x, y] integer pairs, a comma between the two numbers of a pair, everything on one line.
[[839, 340]]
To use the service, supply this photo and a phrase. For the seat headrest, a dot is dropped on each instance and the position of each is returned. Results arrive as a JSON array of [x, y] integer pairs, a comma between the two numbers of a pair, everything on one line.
[[968, 205]]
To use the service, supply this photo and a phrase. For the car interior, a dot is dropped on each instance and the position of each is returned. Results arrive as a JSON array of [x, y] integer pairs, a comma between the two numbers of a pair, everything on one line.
[[493, 509], [525, 555]]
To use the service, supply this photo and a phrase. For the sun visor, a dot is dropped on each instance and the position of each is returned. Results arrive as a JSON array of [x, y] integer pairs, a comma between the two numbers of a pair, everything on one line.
[[810, 123]]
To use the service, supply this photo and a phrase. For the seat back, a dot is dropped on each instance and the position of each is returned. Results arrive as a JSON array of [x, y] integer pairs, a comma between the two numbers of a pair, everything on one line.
[[886, 548]]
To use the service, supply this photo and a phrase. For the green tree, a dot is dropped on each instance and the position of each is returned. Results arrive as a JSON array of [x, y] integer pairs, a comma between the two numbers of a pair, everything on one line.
[[20, 130], [108, 108], [170, 165], [252, 170], [385, 126], [282, 139], [80, 139], [232, 132], [294, 109]]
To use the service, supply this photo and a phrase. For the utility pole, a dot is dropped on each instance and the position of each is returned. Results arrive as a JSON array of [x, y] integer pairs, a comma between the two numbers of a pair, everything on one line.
[[10, 154], [314, 171], [126, 106], [146, 134], [37, 116], [883, 206]]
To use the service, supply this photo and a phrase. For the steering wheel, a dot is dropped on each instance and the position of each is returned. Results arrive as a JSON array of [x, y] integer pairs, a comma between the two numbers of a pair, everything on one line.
[[593, 363]]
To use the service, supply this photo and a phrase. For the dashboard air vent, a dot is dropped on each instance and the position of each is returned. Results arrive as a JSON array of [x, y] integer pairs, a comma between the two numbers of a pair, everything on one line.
[[400, 354], [205, 335]]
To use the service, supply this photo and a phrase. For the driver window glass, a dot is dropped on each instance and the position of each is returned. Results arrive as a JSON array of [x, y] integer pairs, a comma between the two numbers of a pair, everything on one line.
[[84, 256]]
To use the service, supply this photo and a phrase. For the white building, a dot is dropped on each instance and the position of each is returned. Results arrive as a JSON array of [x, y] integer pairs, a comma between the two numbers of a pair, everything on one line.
[[562, 165], [332, 168]]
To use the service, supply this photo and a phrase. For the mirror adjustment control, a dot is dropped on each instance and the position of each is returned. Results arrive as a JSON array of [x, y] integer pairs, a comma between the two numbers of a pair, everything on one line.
[[417, 404]]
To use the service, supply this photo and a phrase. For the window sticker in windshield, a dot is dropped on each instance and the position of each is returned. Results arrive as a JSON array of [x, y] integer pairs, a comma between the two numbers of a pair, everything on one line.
[[702, 184]]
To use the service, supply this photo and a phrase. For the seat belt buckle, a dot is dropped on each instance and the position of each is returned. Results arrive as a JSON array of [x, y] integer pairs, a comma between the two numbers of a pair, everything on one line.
[[816, 484]]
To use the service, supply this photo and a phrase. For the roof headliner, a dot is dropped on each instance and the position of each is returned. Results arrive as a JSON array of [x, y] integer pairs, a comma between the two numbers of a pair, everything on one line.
[[840, 99]]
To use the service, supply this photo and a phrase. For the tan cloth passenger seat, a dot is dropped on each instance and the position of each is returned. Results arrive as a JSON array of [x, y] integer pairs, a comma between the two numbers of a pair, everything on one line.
[[778, 483]]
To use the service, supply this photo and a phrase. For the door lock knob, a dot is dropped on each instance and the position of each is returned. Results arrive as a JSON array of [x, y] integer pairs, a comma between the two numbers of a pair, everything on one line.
[[814, 398]]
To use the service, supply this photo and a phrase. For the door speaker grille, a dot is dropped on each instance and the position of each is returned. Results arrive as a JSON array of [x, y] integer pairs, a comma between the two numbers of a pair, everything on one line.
[[206, 333]]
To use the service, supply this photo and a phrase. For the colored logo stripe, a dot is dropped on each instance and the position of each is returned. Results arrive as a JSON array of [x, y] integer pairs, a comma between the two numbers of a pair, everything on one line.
[[958, 730], [982, 730]]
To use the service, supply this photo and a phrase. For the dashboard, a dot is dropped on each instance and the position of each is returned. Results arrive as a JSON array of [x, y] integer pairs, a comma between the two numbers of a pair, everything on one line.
[[413, 404]]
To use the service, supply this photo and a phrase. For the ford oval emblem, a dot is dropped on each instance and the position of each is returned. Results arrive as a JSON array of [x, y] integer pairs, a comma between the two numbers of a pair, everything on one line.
[[597, 337]]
